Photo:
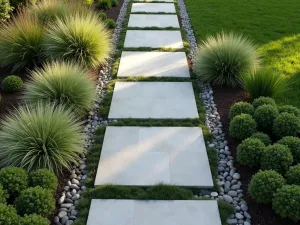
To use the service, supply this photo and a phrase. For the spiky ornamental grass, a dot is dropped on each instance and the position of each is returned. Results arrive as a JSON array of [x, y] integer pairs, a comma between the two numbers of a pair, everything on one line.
[[81, 38], [221, 60], [40, 136], [64, 83], [21, 41]]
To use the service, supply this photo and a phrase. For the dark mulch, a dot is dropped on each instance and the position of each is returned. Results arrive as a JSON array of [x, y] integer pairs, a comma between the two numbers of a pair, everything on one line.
[[113, 13], [261, 214]]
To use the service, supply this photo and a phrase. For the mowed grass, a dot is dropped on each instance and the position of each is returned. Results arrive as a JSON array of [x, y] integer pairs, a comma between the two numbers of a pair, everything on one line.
[[274, 25]]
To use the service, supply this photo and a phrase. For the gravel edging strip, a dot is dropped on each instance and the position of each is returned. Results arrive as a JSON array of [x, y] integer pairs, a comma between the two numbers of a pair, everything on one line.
[[67, 213], [227, 178]]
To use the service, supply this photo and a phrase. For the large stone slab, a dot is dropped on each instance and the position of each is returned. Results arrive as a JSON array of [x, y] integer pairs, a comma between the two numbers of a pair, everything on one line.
[[153, 0], [153, 39], [153, 7], [144, 156], [157, 100], [157, 64], [158, 212], [150, 20]]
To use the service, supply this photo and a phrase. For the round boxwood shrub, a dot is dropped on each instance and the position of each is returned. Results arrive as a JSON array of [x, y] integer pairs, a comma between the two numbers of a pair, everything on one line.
[[249, 152], [276, 157], [263, 101], [8, 215], [294, 145], [33, 219], [12, 83], [286, 124], [110, 23], [239, 108], [114, 3], [43, 178], [5, 9], [263, 137], [104, 4], [102, 16], [289, 109], [264, 185], [14, 180], [293, 175], [242, 126], [35, 200], [3, 194], [264, 116], [286, 202]]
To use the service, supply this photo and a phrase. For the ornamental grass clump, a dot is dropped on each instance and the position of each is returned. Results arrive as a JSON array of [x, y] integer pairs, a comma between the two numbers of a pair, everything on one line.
[[80, 38], [62, 83], [223, 59], [41, 136]]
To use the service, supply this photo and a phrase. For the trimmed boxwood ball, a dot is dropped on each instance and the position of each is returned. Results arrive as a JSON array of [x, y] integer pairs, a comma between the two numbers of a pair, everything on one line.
[[34, 219], [293, 175], [286, 124], [276, 157], [114, 3], [263, 101], [242, 126], [264, 116], [102, 16], [104, 4], [3, 194], [110, 23], [264, 138], [8, 215], [14, 180], [249, 152], [239, 108], [289, 109], [294, 145], [264, 185], [286, 202], [43, 178], [35, 200], [12, 83]]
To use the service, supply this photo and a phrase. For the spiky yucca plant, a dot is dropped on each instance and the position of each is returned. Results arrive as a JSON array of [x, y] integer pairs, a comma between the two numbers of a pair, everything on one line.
[[63, 83], [21, 41], [40, 136], [81, 38], [221, 60]]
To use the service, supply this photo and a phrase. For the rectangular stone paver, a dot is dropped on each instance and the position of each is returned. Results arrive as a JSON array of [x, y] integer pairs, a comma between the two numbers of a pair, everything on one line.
[[153, 39], [158, 212], [158, 64], [153, 7], [158, 100], [144, 156], [150, 20], [154, 0]]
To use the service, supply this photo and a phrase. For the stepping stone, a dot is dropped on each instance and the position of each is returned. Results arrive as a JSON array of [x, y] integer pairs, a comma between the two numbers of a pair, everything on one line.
[[153, 7], [158, 212], [153, 39], [144, 156], [150, 20], [157, 100], [158, 64], [153, 0]]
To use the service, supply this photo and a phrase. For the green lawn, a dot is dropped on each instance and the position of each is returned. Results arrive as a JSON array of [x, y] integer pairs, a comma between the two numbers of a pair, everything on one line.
[[273, 24]]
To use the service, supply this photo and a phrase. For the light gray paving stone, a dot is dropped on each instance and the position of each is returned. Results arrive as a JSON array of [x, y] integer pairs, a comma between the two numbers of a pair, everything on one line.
[[153, 39], [158, 64], [153, 7], [144, 156], [154, 0], [150, 20], [158, 212], [158, 100]]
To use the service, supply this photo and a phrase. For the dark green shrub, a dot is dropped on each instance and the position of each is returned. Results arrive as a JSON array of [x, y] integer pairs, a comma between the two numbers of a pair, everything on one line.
[[3, 194], [12, 84], [111, 24], [242, 126], [14, 180], [263, 101], [286, 124], [264, 185], [102, 16], [104, 4], [286, 202], [5, 9], [222, 60], [34, 219], [294, 145], [43, 178], [263, 137], [289, 109], [8, 215], [264, 116], [249, 152], [35, 200], [239, 108], [114, 3], [277, 157], [293, 175], [18, 3]]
